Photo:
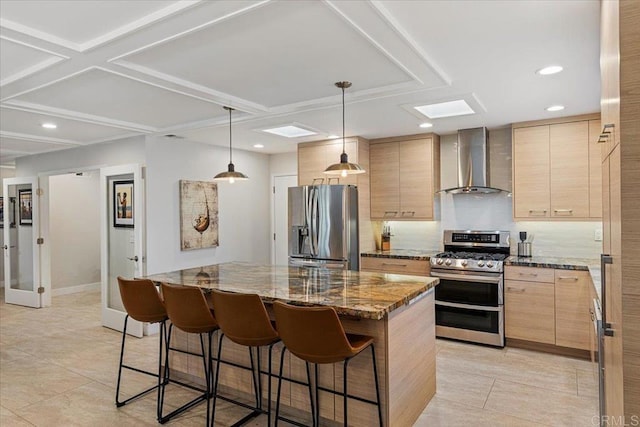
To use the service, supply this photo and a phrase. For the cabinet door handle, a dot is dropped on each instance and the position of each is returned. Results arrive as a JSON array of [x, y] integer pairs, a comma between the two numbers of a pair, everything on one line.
[[574, 278], [317, 179], [394, 265], [564, 211], [529, 274], [390, 213], [336, 179], [408, 213], [537, 212], [516, 290]]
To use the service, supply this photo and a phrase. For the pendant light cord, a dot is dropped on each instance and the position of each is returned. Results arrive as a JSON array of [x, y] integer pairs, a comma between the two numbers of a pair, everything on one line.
[[230, 151], [343, 142]]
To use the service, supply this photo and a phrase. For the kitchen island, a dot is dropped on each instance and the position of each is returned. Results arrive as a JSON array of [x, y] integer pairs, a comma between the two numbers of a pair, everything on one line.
[[397, 310]]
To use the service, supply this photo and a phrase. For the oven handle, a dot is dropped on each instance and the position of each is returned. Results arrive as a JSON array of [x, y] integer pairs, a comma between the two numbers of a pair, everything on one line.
[[470, 307], [467, 278]]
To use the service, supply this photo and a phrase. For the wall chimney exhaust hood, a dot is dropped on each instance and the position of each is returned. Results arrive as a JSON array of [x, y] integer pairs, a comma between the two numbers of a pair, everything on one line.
[[473, 164]]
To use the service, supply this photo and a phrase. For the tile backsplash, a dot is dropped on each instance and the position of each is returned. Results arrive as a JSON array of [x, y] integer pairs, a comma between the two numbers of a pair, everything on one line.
[[573, 239]]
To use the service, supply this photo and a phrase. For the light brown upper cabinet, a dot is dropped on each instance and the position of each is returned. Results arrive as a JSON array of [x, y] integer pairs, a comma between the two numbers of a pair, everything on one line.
[[315, 157], [555, 169], [405, 174]]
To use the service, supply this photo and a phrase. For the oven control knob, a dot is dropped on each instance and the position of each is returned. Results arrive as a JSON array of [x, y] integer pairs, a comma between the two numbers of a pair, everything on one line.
[[463, 263], [480, 263], [489, 264], [447, 262], [439, 261]]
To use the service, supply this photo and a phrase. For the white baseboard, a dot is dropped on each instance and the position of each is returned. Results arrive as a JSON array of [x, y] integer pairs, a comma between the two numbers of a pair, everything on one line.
[[75, 289]]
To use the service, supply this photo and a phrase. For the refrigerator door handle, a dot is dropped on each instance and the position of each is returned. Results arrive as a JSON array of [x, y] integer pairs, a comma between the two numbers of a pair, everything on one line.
[[308, 196], [604, 260]]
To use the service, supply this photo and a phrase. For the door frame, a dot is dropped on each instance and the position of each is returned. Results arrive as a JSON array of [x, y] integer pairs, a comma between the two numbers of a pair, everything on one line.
[[273, 210], [31, 298], [112, 318]]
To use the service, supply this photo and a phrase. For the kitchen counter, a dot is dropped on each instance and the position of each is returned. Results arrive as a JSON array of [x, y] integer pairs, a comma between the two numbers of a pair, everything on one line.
[[398, 311], [351, 293], [562, 263], [415, 254]]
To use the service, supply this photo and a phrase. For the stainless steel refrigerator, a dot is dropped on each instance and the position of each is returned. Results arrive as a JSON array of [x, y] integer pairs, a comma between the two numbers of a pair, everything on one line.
[[323, 226]]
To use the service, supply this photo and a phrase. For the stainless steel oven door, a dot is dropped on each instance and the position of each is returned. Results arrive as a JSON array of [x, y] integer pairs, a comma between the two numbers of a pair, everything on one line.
[[469, 288], [465, 322]]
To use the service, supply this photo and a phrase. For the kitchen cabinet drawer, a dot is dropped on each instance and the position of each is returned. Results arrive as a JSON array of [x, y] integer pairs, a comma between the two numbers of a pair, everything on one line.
[[395, 266], [572, 299], [529, 274], [529, 311]]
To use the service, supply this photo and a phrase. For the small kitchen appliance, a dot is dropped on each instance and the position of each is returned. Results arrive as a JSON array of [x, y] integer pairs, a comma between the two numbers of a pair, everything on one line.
[[524, 245], [323, 226], [470, 295]]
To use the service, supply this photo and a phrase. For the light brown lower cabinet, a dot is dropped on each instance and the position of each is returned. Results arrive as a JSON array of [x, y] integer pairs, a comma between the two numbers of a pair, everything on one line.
[[573, 319], [548, 306], [529, 311]]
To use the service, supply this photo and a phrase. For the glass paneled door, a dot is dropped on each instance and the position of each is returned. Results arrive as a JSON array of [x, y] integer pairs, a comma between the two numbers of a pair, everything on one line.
[[21, 250], [122, 239]]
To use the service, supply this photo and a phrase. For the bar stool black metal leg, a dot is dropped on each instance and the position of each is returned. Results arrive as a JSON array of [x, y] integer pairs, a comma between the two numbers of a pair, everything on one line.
[[279, 386], [344, 389], [311, 400], [216, 378], [124, 334], [160, 373], [165, 379], [375, 375], [317, 413], [269, 386], [253, 377]]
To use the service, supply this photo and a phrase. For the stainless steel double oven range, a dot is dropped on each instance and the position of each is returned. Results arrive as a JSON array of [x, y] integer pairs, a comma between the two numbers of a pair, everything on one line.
[[470, 296]]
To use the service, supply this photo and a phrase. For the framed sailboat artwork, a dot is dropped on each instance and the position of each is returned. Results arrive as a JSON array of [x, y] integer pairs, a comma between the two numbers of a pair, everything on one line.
[[198, 215]]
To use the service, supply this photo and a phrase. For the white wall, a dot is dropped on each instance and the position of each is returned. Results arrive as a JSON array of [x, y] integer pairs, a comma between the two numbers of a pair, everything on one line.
[[124, 151], [74, 213], [244, 226], [283, 164]]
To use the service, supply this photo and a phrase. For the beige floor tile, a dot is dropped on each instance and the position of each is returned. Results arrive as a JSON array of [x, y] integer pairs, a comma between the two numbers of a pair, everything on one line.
[[463, 387], [547, 358], [445, 413], [10, 419], [541, 405], [89, 405], [495, 363], [587, 383], [29, 381]]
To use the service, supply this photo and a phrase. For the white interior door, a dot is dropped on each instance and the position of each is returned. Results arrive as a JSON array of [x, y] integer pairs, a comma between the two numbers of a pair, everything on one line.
[[122, 239], [21, 250], [281, 185]]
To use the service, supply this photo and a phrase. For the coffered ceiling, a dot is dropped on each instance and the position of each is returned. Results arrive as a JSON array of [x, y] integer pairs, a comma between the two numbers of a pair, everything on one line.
[[104, 70]]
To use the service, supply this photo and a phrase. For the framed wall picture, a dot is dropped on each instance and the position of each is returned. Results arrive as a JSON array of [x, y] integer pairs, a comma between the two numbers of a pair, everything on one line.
[[198, 215], [25, 206], [123, 209]]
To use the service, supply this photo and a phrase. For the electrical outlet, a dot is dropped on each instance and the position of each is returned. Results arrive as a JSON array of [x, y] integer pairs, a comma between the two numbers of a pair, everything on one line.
[[597, 235]]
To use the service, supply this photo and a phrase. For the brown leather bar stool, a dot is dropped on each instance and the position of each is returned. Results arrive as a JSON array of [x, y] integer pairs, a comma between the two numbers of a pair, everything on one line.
[[141, 302], [316, 335], [189, 312], [244, 320]]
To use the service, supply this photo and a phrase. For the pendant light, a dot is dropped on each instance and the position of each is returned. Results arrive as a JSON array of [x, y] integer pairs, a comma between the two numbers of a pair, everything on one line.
[[344, 168], [230, 175]]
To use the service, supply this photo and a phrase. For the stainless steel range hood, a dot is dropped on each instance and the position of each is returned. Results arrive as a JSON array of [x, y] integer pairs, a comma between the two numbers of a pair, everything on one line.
[[473, 164]]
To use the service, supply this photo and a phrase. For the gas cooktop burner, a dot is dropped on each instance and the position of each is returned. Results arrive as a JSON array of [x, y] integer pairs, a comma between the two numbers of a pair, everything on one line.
[[472, 255]]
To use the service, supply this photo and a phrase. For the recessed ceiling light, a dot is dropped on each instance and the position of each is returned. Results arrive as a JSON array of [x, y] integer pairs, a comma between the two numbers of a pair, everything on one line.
[[555, 108], [446, 109], [332, 136], [551, 69], [290, 131], [426, 125], [49, 125], [258, 146]]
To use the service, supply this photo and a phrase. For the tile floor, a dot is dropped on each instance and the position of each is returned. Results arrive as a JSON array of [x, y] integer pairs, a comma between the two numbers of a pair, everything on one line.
[[58, 368]]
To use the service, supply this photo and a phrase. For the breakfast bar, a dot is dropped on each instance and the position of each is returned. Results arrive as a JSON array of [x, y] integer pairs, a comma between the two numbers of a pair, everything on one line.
[[397, 310]]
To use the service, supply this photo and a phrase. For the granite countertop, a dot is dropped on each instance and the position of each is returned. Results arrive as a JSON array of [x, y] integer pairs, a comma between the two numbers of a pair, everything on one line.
[[415, 254], [585, 264], [359, 294]]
